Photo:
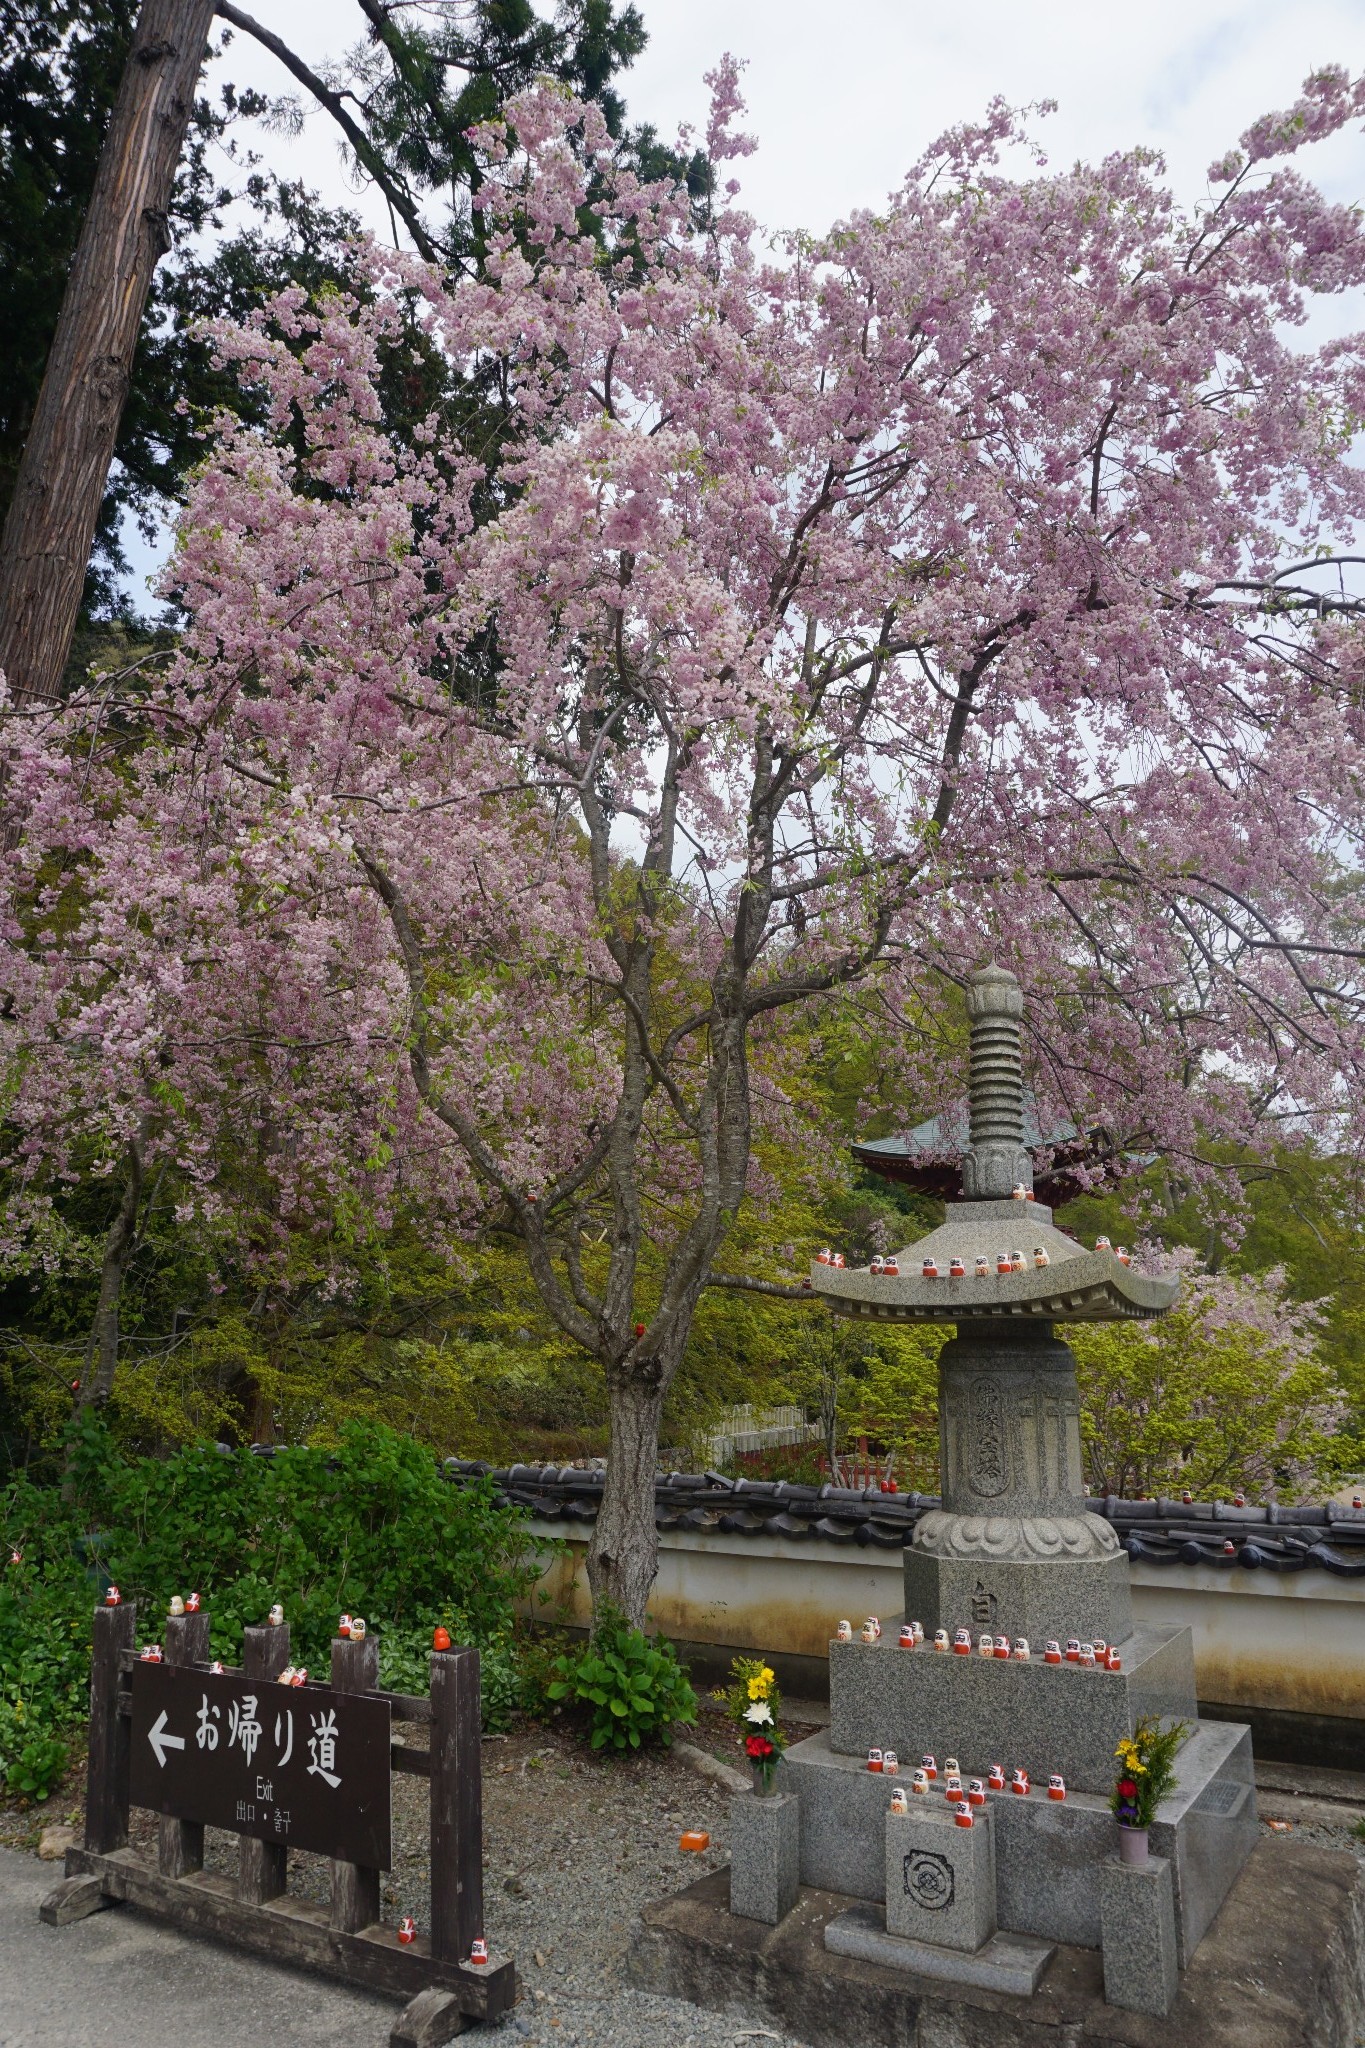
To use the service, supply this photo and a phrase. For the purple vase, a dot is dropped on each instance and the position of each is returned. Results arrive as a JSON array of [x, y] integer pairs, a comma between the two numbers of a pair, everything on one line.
[[1132, 1845]]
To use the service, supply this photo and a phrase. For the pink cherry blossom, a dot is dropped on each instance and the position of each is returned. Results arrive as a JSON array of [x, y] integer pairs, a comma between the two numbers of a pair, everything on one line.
[[954, 584]]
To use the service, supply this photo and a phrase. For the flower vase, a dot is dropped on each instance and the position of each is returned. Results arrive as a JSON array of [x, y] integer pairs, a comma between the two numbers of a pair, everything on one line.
[[764, 1777], [1132, 1845]]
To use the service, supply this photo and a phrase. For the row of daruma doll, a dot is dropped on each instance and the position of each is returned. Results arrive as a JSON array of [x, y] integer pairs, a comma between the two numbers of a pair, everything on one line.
[[351, 1628], [964, 1799], [1098, 1655], [955, 1267]]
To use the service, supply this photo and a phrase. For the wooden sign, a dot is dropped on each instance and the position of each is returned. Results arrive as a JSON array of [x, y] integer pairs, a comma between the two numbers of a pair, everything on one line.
[[306, 1767], [282, 1766]]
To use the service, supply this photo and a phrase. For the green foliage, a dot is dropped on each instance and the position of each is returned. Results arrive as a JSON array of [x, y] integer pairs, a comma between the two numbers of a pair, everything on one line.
[[44, 1674], [633, 1688], [1305, 1216], [372, 1527], [1226, 1392], [404, 1663]]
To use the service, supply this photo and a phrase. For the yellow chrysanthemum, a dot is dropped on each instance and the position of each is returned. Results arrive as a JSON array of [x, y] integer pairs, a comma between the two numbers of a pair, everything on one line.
[[758, 1687]]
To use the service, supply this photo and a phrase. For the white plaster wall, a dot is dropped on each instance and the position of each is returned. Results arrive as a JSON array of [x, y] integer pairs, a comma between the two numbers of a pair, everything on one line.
[[1294, 1641]]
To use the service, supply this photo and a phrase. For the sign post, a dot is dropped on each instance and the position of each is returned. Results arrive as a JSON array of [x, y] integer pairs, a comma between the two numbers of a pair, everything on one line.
[[281, 1766]]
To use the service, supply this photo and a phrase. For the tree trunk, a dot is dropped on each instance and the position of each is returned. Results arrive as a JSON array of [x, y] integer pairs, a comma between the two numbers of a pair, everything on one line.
[[101, 1357], [624, 1552], [70, 445]]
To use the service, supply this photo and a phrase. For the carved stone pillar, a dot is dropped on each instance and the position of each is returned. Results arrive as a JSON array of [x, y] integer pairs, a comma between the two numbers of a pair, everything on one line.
[[1014, 1546], [996, 1161]]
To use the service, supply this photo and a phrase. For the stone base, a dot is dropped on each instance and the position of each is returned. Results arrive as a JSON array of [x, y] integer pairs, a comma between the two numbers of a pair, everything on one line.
[[1137, 1918], [765, 1855], [1061, 1597], [1047, 1717], [1283, 1967], [1047, 1855], [940, 1879], [1006, 1962]]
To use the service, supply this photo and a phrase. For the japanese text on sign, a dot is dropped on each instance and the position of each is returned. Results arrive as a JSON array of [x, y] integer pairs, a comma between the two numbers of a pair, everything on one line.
[[303, 1765]]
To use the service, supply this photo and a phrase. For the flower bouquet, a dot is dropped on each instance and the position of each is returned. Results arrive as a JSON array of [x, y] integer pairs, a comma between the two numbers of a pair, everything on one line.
[[754, 1703], [1146, 1774]]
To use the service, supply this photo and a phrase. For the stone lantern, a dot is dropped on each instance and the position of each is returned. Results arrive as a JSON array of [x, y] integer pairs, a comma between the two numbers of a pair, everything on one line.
[[1014, 1541], [1011, 1563]]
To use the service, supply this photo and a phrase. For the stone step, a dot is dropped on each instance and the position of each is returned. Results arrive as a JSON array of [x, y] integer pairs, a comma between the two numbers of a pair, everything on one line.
[[1007, 1962], [1047, 1853]]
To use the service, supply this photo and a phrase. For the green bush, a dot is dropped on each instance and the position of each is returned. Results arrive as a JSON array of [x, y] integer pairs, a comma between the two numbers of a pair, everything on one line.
[[635, 1689], [404, 1655], [372, 1527]]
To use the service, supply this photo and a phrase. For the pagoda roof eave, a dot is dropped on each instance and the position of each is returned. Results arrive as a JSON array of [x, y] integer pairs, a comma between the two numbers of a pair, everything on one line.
[[1090, 1287]]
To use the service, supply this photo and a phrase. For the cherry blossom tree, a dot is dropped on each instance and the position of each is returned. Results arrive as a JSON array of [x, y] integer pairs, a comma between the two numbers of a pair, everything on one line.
[[965, 582], [1229, 1391]]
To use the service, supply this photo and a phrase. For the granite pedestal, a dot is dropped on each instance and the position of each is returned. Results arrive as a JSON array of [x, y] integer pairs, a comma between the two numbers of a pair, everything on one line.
[[1089, 1597], [940, 1878], [1137, 1917], [765, 1856], [1282, 1967], [1047, 1717], [1047, 1853]]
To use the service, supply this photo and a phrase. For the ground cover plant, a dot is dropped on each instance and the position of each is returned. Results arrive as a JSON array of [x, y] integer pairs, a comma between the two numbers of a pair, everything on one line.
[[628, 1688], [371, 1527]]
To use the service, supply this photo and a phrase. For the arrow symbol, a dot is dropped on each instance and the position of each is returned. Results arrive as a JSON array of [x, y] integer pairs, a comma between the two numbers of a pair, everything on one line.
[[161, 1741]]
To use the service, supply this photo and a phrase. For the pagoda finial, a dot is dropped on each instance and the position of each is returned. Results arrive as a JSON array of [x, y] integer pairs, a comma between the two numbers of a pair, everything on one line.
[[996, 1161]]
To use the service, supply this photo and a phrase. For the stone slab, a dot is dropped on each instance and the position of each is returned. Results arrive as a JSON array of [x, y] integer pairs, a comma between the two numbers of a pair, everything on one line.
[[765, 1856], [1006, 1962], [1137, 1918], [1047, 1717], [1047, 1854], [1061, 1597], [1207, 1825], [1282, 1967], [940, 1879]]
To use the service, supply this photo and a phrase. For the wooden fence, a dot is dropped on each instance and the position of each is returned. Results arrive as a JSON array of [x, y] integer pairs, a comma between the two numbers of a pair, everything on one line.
[[346, 1939]]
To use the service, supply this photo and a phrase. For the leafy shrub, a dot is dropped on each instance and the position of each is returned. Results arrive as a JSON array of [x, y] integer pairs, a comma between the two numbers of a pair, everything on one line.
[[404, 1655], [635, 1689], [373, 1527], [44, 1671]]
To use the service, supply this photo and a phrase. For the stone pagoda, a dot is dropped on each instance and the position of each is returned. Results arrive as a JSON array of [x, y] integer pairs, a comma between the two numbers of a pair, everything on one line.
[[1013, 1555]]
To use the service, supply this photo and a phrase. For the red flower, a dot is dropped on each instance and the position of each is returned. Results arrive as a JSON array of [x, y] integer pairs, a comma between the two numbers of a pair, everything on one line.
[[758, 1747], [1127, 1789]]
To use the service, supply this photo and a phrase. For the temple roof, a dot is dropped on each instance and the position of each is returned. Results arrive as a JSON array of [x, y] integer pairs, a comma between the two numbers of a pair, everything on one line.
[[929, 1157], [1327, 1537]]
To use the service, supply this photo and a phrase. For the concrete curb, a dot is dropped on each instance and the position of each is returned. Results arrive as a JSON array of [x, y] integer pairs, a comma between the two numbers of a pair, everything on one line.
[[707, 1766]]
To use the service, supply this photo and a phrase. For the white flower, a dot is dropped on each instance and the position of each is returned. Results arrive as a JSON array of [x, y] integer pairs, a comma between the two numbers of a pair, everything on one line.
[[759, 1713]]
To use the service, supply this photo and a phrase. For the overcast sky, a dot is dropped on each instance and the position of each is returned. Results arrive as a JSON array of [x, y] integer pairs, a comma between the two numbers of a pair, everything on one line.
[[845, 94]]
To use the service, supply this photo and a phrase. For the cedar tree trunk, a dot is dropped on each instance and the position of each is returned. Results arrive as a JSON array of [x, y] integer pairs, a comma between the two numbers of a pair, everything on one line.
[[60, 486]]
